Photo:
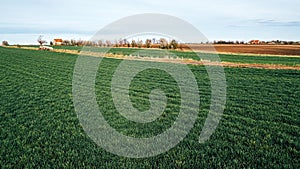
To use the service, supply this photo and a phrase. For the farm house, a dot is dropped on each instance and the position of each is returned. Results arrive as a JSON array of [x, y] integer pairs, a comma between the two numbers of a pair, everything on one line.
[[255, 42], [57, 42]]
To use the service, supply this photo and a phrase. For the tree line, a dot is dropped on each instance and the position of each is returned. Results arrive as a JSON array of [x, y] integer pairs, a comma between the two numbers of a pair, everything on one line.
[[148, 43], [161, 43], [152, 43], [273, 42]]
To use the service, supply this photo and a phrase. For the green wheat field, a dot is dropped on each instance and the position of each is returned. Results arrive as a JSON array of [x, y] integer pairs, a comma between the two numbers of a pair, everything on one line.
[[260, 127]]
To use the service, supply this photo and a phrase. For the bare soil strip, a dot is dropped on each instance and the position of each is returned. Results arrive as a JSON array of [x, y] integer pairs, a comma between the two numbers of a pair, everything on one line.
[[260, 50], [172, 60]]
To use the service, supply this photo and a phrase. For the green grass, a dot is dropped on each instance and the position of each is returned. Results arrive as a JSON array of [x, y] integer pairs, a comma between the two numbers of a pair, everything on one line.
[[39, 127], [68, 47], [286, 60], [290, 61]]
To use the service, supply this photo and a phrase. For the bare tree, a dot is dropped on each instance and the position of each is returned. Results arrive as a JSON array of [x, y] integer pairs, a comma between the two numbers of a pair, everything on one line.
[[126, 43], [66, 43], [163, 43], [108, 43], [5, 43], [173, 44], [100, 43], [148, 43], [133, 44], [140, 43], [73, 42], [153, 40], [80, 42], [40, 40]]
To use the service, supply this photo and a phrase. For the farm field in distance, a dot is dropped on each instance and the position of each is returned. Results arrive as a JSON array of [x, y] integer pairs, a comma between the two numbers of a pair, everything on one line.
[[242, 57], [252, 49], [238, 49], [260, 127]]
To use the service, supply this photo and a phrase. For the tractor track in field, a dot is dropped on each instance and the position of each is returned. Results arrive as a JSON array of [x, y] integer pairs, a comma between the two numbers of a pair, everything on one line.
[[172, 60]]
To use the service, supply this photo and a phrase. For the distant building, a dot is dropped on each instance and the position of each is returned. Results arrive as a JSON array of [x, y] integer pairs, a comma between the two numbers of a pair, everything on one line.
[[255, 42], [271, 43], [57, 42]]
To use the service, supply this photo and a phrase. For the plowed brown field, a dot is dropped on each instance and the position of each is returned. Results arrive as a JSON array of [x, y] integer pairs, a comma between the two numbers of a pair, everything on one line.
[[251, 49]]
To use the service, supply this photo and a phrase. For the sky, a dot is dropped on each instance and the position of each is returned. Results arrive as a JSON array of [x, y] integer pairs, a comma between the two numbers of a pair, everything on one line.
[[21, 22]]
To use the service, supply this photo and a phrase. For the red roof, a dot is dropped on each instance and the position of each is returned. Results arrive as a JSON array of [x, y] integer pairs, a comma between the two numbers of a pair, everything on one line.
[[58, 40]]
